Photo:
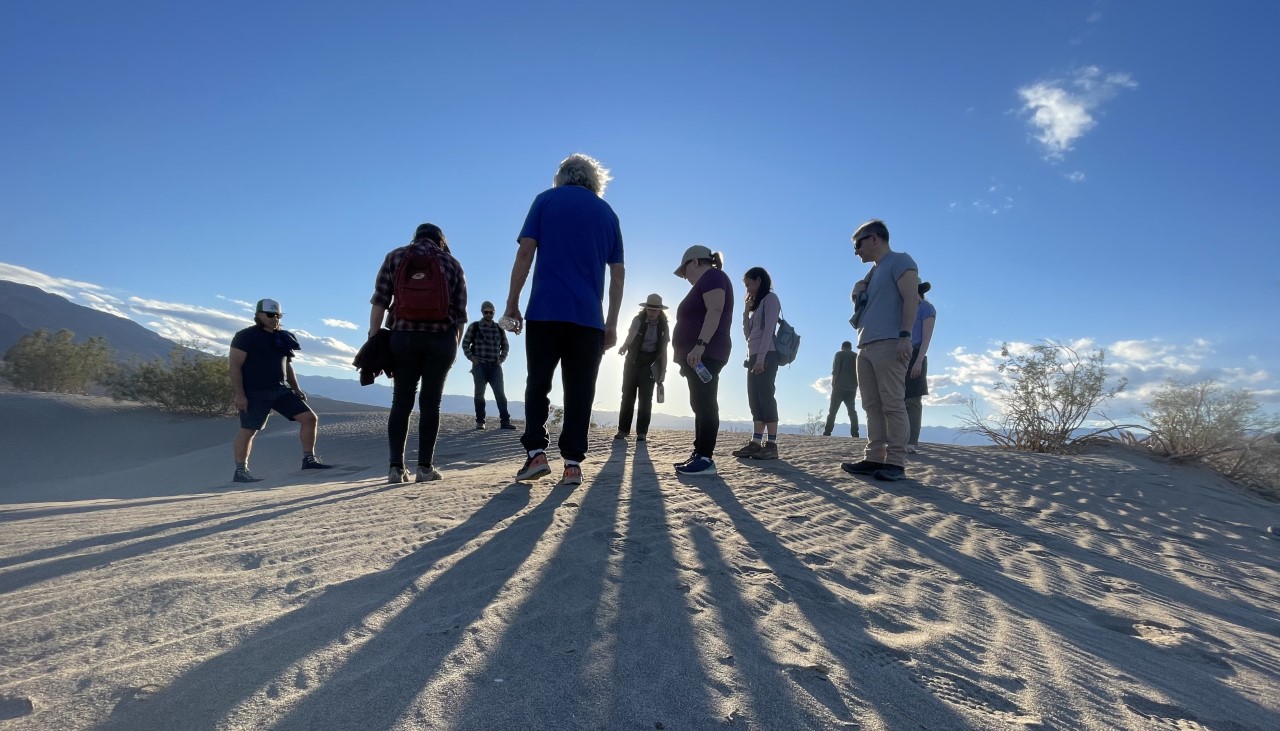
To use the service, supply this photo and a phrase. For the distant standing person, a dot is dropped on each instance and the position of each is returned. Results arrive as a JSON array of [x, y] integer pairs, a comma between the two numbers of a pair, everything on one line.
[[760, 325], [575, 236], [702, 346], [485, 345], [262, 377], [884, 348], [645, 349], [425, 290], [844, 388], [918, 368]]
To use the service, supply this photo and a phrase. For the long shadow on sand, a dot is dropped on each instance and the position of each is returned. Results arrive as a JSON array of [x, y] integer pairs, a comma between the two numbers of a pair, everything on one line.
[[123, 536], [71, 564], [201, 697], [1067, 617]]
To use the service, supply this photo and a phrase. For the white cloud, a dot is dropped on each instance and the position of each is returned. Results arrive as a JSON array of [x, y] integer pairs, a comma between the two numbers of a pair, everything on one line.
[[822, 385], [82, 293], [1062, 110], [1075, 177], [242, 303], [339, 324]]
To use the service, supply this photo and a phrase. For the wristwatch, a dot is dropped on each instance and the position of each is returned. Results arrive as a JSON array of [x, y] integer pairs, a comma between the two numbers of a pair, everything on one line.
[[904, 333], [700, 342]]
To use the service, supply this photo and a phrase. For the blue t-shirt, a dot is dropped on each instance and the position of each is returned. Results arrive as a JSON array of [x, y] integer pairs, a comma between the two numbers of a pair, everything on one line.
[[578, 235], [264, 366], [693, 310], [882, 319], [925, 311]]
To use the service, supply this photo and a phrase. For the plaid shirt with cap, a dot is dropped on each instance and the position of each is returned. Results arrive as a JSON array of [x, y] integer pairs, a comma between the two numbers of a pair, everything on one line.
[[384, 288]]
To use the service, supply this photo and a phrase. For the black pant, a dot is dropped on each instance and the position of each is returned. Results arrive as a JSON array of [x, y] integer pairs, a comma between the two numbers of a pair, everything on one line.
[[577, 350], [425, 357], [761, 398], [637, 380], [704, 400], [489, 374], [843, 396]]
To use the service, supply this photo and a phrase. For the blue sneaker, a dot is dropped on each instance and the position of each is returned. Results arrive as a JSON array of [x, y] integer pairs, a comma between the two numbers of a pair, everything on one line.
[[699, 466]]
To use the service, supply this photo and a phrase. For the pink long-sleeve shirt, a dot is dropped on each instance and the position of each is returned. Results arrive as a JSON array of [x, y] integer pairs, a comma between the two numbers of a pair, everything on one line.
[[760, 326]]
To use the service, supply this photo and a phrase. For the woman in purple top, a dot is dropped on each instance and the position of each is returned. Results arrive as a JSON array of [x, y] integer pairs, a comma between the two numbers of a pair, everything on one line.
[[759, 325], [701, 337]]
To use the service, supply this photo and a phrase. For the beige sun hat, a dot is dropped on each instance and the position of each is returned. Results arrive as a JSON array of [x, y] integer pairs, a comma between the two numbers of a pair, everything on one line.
[[654, 300], [693, 253]]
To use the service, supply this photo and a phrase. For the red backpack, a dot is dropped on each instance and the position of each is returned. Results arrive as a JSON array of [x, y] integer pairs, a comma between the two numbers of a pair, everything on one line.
[[421, 288]]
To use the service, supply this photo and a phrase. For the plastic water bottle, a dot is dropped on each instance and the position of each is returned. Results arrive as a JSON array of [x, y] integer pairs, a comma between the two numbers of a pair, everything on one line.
[[703, 374], [662, 393], [507, 323]]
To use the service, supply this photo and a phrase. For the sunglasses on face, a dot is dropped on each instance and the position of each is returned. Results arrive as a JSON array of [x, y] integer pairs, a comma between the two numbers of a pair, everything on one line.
[[487, 312], [857, 243], [274, 315]]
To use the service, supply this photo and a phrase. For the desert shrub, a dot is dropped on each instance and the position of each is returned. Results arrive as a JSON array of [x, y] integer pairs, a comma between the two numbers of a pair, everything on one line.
[[1226, 429], [56, 363], [813, 424], [188, 383], [1044, 397]]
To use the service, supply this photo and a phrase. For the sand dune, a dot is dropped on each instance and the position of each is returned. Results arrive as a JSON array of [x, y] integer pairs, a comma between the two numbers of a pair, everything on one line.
[[140, 590]]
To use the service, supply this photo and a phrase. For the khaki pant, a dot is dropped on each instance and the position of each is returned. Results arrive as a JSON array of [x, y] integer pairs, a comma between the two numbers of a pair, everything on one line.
[[882, 382]]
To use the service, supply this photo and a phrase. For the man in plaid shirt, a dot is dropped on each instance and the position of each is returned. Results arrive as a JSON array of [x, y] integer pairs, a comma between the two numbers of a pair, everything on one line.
[[421, 351], [485, 345]]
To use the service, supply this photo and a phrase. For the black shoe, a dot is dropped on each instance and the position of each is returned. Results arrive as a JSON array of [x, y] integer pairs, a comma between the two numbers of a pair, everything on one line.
[[890, 473], [479, 426], [244, 476], [865, 467], [507, 425], [692, 456], [641, 438], [312, 462], [621, 435], [856, 435], [826, 433]]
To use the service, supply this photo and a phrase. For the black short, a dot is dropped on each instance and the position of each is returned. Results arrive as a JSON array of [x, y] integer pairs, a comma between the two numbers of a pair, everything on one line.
[[282, 399]]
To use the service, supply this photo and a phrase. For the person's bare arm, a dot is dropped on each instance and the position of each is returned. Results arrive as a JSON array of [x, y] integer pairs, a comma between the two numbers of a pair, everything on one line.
[[376, 314], [235, 368], [617, 276], [519, 274], [292, 379], [926, 337], [909, 289]]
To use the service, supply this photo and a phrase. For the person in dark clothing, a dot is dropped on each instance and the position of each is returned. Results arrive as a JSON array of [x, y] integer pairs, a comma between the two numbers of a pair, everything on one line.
[[645, 348], [485, 345], [262, 379], [702, 346], [422, 351], [844, 388]]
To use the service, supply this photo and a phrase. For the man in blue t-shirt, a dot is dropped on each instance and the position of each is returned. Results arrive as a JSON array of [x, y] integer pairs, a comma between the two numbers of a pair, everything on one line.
[[575, 236], [262, 379], [884, 348]]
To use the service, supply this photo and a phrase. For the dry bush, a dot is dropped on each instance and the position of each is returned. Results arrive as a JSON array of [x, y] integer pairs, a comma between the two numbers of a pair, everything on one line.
[[814, 423], [1225, 429], [189, 383], [1044, 398], [56, 363]]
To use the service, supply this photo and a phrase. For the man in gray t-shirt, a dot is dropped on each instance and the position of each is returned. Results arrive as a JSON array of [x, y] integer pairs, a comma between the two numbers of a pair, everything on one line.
[[884, 324]]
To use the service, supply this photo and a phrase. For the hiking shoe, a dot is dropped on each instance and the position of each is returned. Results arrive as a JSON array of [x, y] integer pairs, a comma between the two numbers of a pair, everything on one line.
[[768, 451], [750, 450], [507, 425], [826, 433], [865, 467], [480, 426], [621, 435], [244, 476], [698, 466], [690, 458], [572, 475], [428, 474], [912, 449], [856, 435], [312, 462], [641, 438], [534, 467], [890, 473], [398, 474]]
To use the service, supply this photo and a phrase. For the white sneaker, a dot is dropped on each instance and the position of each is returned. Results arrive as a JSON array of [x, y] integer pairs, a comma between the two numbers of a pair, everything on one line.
[[428, 474], [398, 474]]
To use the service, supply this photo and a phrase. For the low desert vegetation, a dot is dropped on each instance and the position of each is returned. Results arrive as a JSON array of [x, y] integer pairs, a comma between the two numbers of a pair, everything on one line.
[[57, 363], [189, 382]]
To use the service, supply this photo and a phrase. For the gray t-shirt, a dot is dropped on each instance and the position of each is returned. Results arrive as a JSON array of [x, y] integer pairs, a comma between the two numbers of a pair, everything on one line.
[[883, 317]]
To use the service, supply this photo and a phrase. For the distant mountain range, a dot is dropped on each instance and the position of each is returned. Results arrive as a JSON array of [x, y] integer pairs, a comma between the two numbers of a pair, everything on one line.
[[24, 309]]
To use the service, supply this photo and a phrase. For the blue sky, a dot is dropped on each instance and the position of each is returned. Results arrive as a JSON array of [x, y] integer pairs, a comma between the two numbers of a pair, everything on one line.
[[1101, 173]]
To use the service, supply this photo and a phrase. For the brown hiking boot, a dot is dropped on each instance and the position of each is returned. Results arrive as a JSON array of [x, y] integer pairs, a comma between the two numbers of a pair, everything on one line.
[[768, 451], [750, 450]]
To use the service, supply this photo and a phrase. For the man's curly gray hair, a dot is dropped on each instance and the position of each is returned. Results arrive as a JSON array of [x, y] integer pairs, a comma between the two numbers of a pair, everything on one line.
[[579, 169]]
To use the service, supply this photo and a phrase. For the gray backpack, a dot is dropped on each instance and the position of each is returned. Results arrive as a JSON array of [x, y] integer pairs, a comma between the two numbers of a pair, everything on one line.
[[786, 342]]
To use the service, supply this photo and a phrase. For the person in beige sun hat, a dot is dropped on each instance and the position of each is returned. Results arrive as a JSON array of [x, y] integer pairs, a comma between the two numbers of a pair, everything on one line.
[[645, 350]]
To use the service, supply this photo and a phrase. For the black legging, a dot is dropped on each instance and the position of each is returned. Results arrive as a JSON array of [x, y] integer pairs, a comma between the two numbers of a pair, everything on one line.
[[425, 357], [703, 399], [637, 381]]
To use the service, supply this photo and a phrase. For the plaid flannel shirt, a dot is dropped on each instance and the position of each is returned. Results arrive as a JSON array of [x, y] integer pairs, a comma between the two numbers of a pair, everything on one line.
[[485, 342], [384, 289]]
